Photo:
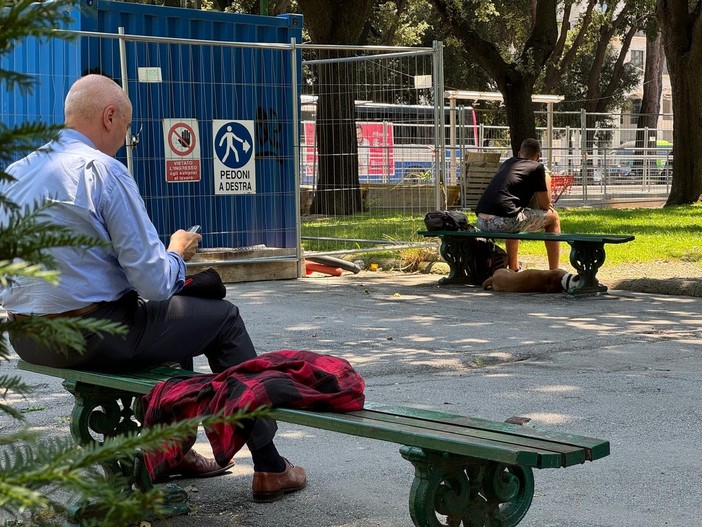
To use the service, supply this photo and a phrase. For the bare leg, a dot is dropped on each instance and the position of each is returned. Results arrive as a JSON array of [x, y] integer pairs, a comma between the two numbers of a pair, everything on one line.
[[512, 247], [553, 251], [552, 223]]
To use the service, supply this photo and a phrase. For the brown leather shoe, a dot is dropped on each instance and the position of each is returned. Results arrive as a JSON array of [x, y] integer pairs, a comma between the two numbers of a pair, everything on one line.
[[193, 465], [271, 486]]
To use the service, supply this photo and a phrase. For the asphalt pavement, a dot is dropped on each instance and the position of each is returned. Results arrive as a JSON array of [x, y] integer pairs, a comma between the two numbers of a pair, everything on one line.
[[626, 367]]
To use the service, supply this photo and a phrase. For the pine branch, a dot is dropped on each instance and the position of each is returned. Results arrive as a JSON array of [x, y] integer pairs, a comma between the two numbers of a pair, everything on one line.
[[26, 235], [15, 385], [24, 18], [24, 435], [31, 473], [21, 268], [63, 334], [23, 138], [36, 476]]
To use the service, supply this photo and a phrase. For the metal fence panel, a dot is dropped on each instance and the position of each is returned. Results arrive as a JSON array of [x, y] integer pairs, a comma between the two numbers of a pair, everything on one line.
[[187, 92], [398, 134]]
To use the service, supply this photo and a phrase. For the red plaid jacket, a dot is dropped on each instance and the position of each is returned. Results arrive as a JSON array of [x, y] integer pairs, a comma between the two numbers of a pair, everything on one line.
[[291, 379]]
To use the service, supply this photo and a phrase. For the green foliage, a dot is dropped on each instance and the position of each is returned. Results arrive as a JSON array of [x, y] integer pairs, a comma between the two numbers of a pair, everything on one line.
[[49, 476], [24, 236], [573, 83], [39, 480], [24, 18], [406, 27]]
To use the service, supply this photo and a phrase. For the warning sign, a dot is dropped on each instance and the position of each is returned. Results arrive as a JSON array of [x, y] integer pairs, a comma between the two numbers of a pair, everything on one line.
[[182, 150], [234, 159]]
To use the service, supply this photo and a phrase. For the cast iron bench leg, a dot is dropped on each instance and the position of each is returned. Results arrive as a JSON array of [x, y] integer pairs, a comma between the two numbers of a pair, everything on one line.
[[587, 258], [456, 251], [99, 413], [450, 489]]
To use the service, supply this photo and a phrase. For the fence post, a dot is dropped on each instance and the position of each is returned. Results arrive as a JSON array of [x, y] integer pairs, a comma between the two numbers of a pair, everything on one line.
[[583, 151], [125, 86], [439, 128], [549, 134], [296, 154]]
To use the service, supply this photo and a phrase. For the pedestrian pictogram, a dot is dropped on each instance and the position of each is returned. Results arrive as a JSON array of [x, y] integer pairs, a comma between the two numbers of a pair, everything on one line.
[[233, 143], [228, 139], [182, 150], [234, 160]]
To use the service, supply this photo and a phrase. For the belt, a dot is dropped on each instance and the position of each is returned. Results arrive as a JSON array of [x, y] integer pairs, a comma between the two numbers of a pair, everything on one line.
[[80, 312]]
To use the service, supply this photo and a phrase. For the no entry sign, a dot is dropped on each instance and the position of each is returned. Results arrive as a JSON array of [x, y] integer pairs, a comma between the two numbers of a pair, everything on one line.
[[182, 150]]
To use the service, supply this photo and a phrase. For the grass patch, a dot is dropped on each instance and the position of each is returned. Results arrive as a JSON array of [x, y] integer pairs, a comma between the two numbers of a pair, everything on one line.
[[387, 227], [670, 234]]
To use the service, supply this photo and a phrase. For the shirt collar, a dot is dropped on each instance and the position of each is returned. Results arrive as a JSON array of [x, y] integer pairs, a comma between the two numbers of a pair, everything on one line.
[[68, 134]]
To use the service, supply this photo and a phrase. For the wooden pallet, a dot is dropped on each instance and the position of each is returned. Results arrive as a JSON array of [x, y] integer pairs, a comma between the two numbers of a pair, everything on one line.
[[477, 171]]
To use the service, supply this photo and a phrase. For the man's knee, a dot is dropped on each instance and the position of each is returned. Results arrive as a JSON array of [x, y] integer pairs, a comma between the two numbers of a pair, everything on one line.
[[552, 221]]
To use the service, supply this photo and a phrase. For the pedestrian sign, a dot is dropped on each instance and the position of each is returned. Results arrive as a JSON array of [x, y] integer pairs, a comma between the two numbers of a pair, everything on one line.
[[234, 159], [182, 150]]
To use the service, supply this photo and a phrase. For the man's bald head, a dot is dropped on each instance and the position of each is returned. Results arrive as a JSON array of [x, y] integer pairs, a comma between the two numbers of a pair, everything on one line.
[[90, 95], [100, 109]]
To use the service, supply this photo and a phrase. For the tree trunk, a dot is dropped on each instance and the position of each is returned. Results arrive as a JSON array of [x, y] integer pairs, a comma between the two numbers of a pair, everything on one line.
[[647, 122], [331, 22], [687, 141], [681, 27], [517, 91], [338, 190]]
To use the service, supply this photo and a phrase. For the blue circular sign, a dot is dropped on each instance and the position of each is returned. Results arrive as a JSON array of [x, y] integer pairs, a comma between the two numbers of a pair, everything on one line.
[[233, 144]]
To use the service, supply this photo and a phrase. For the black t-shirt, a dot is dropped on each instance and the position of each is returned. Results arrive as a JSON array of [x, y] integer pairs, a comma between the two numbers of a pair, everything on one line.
[[512, 188]]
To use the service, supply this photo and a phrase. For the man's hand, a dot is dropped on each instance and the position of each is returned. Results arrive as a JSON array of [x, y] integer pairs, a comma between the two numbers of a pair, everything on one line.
[[184, 243]]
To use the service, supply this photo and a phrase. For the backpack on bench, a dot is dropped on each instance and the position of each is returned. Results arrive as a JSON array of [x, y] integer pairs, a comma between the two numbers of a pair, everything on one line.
[[446, 220]]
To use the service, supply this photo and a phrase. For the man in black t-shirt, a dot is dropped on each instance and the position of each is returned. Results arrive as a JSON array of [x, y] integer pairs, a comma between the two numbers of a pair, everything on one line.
[[504, 206]]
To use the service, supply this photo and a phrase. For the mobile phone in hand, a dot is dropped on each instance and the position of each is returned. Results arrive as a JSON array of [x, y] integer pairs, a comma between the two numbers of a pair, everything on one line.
[[196, 229]]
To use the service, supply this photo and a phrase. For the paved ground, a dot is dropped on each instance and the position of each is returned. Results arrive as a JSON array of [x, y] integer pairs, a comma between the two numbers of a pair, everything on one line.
[[626, 367]]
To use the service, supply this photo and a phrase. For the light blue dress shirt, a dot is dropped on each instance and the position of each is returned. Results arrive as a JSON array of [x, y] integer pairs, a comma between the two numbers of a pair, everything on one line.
[[92, 194]]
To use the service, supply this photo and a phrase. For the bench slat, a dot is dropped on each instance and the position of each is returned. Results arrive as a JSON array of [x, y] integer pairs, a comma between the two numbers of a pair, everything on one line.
[[363, 424], [510, 434], [539, 236], [597, 448], [137, 382]]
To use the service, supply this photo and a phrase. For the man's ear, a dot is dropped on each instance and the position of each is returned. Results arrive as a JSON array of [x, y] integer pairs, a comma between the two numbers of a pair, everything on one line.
[[108, 116]]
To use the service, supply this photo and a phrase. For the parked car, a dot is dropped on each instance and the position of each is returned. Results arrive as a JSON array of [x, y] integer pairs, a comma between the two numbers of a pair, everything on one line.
[[614, 175], [653, 164]]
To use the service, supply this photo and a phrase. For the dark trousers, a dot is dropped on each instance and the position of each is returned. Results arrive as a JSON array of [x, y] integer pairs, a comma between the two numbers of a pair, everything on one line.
[[174, 330]]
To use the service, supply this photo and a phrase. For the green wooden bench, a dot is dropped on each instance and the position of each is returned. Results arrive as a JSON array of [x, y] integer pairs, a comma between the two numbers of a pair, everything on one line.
[[587, 254], [467, 470]]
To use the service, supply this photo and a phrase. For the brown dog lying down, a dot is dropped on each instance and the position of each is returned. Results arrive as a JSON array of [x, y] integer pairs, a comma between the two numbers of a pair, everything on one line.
[[530, 281]]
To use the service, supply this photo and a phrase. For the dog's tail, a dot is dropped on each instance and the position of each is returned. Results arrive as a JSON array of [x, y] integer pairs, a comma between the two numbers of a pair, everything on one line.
[[487, 284]]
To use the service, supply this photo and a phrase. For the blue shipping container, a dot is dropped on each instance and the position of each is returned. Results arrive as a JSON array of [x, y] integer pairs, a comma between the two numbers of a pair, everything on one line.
[[190, 82]]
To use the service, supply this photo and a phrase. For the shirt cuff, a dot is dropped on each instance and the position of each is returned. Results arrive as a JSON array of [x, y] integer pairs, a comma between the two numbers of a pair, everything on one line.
[[180, 276]]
